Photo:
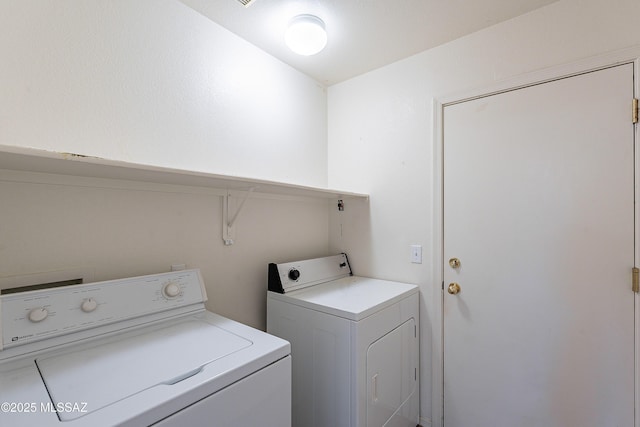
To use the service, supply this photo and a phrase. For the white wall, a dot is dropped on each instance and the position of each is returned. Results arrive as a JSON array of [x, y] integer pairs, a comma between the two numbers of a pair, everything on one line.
[[381, 132], [154, 82], [115, 229]]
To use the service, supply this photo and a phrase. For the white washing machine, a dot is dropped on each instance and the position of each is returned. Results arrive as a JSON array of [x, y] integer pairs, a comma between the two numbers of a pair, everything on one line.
[[354, 344], [136, 352]]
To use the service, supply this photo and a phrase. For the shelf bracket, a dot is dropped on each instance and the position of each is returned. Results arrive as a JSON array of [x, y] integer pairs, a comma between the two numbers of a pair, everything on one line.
[[228, 232]]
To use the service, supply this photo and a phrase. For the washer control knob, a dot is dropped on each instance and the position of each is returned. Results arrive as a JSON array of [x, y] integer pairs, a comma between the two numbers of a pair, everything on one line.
[[88, 305], [38, 314], [171, 290], [294, 274]]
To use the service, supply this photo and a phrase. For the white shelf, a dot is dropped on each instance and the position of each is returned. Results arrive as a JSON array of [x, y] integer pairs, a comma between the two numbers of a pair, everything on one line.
[[41, 161]]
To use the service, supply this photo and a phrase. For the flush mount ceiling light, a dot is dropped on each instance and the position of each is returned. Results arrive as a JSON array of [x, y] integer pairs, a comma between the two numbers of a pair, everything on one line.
[[306, 35]]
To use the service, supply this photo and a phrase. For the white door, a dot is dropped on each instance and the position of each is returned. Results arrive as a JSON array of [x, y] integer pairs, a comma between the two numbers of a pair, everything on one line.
[[539, 210]]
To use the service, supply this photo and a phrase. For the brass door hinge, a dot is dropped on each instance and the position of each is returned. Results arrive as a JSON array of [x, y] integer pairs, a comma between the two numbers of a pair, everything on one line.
[[634, 112], [635, 281]]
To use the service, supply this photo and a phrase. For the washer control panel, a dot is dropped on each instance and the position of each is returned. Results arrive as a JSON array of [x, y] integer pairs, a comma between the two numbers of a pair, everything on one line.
[[35, 315]]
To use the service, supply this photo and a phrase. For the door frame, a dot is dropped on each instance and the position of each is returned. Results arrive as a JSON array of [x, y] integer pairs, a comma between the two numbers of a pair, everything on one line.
[[625, 56]]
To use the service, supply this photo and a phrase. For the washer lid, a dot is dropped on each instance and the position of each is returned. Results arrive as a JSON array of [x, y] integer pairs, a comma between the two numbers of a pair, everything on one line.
[[104, 373], [352, 297]]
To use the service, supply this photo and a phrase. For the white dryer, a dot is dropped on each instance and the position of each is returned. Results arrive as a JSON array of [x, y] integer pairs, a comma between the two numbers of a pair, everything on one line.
[[354, 344], [136, 352]]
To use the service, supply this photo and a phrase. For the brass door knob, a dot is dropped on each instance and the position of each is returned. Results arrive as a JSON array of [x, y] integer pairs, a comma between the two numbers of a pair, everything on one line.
[[454, 263], [453, 288]]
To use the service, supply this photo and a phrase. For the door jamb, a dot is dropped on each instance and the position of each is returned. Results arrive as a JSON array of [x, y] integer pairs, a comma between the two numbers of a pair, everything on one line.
[[625, 56]]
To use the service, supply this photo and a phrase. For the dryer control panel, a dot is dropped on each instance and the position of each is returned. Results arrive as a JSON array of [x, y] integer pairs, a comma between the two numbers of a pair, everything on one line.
[[36, 315], [291, 276]]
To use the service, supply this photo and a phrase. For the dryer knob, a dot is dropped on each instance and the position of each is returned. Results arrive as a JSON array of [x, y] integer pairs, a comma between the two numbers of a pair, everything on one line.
[[294, 274], [38, 314]]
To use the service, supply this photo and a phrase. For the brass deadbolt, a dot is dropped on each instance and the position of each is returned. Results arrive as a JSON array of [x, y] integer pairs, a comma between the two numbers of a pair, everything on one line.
[[454, 262]]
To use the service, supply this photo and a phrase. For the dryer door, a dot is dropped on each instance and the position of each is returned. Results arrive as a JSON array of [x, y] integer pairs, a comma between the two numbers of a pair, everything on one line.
[[392, 373]]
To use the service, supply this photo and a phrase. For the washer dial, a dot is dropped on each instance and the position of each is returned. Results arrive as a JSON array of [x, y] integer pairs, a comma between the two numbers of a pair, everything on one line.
[[38, 314], [88, 305], [171, 290]]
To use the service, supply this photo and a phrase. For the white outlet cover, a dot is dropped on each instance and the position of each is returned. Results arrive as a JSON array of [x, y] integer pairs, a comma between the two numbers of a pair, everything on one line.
[[416, 254]]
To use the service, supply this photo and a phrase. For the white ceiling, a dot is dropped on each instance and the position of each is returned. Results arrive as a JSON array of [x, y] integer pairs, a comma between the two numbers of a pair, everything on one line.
[[363, 34]]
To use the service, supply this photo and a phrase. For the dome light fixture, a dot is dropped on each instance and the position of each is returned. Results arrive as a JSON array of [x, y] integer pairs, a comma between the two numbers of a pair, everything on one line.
[[306, 35]]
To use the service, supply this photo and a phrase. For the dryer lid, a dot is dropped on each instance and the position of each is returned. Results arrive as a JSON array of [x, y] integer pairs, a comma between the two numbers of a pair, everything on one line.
[[104, 373]]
